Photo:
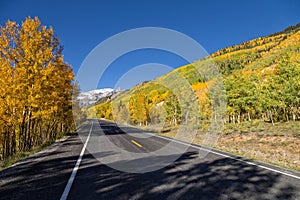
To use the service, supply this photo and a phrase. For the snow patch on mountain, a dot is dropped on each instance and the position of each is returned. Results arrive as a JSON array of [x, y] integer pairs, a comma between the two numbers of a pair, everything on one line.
[[91, 97]]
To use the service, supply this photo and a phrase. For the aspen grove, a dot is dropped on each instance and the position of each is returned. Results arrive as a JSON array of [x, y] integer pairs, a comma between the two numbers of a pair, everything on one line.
[[35, 86]]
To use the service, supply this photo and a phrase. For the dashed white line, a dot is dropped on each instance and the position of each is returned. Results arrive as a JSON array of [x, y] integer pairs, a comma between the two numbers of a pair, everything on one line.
[[74, 172]]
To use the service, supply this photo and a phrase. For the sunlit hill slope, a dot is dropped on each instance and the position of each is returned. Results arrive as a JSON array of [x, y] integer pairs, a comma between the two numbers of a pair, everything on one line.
[[261, 78]]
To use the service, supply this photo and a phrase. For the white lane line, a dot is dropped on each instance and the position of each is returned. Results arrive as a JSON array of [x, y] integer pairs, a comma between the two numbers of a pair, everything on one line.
[[227, 156], [72, 177]]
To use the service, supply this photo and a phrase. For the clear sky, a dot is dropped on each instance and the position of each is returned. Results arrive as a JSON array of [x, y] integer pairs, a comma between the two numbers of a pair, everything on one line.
[[82, 25]]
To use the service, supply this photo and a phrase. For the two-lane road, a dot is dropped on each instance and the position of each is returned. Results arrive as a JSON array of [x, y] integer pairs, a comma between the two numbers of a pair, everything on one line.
[[216, 176]]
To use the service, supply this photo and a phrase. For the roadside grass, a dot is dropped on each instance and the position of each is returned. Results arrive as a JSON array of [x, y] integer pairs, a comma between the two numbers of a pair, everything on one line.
[[281, 150], [257, 140], [5, 163], [258, 126], [21, 155]]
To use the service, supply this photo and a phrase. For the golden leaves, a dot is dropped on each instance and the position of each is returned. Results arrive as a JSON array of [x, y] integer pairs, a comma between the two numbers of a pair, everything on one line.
[[35, 82]]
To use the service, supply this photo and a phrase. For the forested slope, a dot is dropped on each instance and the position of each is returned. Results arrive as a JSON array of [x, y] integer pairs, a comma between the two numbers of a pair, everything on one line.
[[261, 78]]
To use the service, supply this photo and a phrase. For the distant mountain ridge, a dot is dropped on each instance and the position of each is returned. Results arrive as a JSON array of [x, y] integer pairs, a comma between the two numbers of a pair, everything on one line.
[[93, 96]]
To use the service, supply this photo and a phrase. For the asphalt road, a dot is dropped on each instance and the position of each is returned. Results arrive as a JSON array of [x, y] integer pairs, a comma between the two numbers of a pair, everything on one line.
[[218, 175]]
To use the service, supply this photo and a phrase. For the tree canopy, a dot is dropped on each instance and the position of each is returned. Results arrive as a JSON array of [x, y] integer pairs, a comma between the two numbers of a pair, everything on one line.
[[35, 86]]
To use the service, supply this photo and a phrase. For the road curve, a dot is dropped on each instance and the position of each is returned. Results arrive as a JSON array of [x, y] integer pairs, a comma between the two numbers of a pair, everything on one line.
[[217, 176]]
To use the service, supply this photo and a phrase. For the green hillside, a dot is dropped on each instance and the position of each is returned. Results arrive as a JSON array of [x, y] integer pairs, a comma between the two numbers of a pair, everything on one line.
[[261, 78]]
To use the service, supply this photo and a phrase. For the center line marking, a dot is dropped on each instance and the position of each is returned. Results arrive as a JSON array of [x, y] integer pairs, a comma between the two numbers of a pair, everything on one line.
[[137, 144]]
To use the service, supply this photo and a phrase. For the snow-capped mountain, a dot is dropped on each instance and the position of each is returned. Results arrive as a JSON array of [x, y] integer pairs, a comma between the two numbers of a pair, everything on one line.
[[91, 97]]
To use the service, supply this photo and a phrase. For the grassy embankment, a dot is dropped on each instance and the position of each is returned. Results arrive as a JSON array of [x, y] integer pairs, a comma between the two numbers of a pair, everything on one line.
[[278, 144]]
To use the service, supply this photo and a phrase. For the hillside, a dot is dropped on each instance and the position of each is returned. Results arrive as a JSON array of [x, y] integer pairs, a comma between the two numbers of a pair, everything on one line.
[[261, 78]]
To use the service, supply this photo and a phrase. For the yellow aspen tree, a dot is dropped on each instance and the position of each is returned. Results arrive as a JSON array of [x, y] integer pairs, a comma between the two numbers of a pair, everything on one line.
[[36, 85]]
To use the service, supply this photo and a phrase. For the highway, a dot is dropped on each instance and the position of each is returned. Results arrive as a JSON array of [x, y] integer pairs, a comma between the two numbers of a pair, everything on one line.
[[66, 170]]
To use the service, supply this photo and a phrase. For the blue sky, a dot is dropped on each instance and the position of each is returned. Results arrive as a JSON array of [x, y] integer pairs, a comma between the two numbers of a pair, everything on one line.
[[82, 25]]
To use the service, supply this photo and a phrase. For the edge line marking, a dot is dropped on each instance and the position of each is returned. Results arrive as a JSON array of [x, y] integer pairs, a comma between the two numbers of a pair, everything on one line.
[[65, 194], [227, 156]]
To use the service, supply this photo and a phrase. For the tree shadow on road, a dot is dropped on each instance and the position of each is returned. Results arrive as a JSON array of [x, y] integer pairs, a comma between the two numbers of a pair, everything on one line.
[[190, 177], [217, 178], [43, 175]]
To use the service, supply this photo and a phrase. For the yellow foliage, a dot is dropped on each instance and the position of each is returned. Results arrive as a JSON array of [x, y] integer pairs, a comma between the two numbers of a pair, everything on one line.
[[35, 84]]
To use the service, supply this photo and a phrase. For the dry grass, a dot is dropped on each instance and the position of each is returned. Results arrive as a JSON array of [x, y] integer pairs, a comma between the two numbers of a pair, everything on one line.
[[279, 144], [275, 149]]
